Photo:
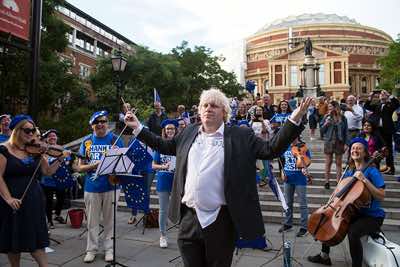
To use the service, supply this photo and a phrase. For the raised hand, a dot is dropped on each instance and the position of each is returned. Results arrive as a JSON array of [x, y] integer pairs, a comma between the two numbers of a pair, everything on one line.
[[131, 120], [301, 110]]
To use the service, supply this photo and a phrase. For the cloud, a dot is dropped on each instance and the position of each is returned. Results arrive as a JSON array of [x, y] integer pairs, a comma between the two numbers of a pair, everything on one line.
[[163, 24]]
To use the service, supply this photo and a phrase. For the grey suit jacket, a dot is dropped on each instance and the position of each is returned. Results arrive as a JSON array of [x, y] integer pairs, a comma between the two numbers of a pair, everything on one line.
[[241, 149]]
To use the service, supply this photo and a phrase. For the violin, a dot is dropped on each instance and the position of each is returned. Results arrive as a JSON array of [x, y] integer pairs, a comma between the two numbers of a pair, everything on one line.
[[330, 223], [299, 151], [55, 151]]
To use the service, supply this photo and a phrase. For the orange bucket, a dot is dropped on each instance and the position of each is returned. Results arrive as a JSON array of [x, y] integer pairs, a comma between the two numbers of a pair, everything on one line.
[[76, 217]]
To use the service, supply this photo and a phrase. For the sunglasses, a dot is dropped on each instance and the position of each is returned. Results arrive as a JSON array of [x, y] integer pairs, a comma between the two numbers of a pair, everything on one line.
[[29, 130], [101, 121]]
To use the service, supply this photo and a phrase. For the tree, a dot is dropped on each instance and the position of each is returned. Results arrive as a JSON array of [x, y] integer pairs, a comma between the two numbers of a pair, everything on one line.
[[201, 70], [179, 77], [390, 67]]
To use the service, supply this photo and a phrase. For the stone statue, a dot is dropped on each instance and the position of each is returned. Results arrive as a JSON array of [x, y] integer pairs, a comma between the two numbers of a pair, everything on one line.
[[308, 47]]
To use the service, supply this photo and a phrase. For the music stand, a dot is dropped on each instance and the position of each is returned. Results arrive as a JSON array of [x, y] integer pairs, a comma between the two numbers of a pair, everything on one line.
[[113, 162]]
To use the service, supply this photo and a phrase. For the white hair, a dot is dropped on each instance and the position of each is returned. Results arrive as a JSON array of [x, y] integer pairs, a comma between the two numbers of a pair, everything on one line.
[[215, 96]]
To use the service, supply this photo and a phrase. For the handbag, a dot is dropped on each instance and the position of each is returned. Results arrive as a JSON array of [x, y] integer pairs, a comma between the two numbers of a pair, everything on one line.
[[151, 219]]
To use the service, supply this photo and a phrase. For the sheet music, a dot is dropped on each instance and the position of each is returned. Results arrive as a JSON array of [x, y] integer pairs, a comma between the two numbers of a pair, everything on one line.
[[114, 161]]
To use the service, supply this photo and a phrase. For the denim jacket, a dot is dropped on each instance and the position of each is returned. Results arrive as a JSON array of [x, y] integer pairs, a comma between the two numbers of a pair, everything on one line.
[[327, 130]]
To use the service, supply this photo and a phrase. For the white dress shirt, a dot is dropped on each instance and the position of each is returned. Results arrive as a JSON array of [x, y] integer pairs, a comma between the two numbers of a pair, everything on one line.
[[354, 120], [204, 186]]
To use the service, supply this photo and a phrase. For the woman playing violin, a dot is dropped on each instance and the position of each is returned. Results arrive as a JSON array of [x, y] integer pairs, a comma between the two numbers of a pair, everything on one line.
[[22, 216], [295, 179], [368, 219]]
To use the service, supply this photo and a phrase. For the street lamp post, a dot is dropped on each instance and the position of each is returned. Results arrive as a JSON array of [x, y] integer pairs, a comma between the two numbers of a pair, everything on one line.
[[118, 64]]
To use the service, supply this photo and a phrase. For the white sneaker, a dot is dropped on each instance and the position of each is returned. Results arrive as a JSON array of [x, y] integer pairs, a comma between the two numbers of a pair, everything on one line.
[[163, 242], [89, 257], [109, 257]]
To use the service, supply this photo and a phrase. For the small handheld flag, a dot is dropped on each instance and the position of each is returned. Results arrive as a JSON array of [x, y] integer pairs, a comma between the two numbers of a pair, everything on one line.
[[156, 96], [139, 156], [273, 184], [136, 196], [63, 176]]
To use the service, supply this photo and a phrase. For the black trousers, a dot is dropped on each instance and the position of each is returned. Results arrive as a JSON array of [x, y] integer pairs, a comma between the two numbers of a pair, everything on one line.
[[60, 197], [212, 246], [388, 139], [361, 226]]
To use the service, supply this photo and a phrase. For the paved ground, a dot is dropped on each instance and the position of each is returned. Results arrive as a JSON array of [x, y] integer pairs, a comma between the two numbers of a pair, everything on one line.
[[135, 249]]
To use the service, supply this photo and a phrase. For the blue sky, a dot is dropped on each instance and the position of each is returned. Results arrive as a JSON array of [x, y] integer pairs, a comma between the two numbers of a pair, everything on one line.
[[163, 24]]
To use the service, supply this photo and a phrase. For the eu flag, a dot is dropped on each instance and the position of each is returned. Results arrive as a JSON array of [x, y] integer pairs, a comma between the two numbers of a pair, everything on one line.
[[139, 156], [136, 196], [63, 175], [273, 184], [156, 96]]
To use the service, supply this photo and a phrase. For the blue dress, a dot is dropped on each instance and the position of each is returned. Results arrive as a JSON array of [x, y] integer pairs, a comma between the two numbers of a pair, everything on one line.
[[26, 229]]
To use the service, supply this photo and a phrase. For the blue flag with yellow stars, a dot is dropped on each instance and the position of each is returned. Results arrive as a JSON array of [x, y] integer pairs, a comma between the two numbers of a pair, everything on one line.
[[136, 196], [139, 156], [63, 176]]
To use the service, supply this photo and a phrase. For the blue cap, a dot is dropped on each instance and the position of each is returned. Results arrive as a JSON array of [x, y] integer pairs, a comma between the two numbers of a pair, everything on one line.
[[46, 133], [96, 115], [169, 121], [243, 122], [4, 115], [359, 140], [18, 118]]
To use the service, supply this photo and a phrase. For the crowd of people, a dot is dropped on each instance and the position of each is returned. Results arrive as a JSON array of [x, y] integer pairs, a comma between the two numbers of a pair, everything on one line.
[[202, 163]]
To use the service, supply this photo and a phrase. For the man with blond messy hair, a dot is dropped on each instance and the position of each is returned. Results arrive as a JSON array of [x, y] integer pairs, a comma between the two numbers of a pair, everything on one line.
[[214, 195]]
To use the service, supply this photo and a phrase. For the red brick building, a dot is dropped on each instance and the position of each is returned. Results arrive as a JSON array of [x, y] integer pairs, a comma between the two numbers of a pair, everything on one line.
[[346, 51], [89, 39]]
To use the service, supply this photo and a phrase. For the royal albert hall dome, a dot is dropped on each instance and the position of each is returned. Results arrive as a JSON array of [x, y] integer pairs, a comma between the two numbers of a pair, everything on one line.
[[346, 51]]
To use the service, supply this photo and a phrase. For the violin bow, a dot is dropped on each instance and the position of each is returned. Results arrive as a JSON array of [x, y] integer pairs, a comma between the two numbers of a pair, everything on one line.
[[31, 180]]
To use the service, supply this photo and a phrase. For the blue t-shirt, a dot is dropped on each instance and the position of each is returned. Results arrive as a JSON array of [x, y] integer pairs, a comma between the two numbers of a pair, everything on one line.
[[164, 177], [48, 181], [280, 118], [4, 138], [93, 148], [375, 177], [294, 175]]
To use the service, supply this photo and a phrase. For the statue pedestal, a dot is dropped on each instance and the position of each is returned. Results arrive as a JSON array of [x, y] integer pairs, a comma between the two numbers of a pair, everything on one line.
[[310, 76]]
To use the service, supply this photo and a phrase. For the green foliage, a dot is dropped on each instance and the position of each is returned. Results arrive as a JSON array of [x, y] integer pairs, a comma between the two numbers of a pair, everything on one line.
[[61, 95], [179, 77], [390, 67], [71, 125]]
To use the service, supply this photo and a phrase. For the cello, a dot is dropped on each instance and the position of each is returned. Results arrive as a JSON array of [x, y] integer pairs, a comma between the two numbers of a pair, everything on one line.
[[330, 223]]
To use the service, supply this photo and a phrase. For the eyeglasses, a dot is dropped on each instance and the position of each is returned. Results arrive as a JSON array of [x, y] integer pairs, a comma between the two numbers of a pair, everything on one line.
[[29, 130], [101, 121]]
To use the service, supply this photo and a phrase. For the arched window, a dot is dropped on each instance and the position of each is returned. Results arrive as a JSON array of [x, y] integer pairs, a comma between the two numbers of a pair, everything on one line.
[[293, 76], [377, 82], [364, 85], [321, 74], [351, 84], [266, 85]]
